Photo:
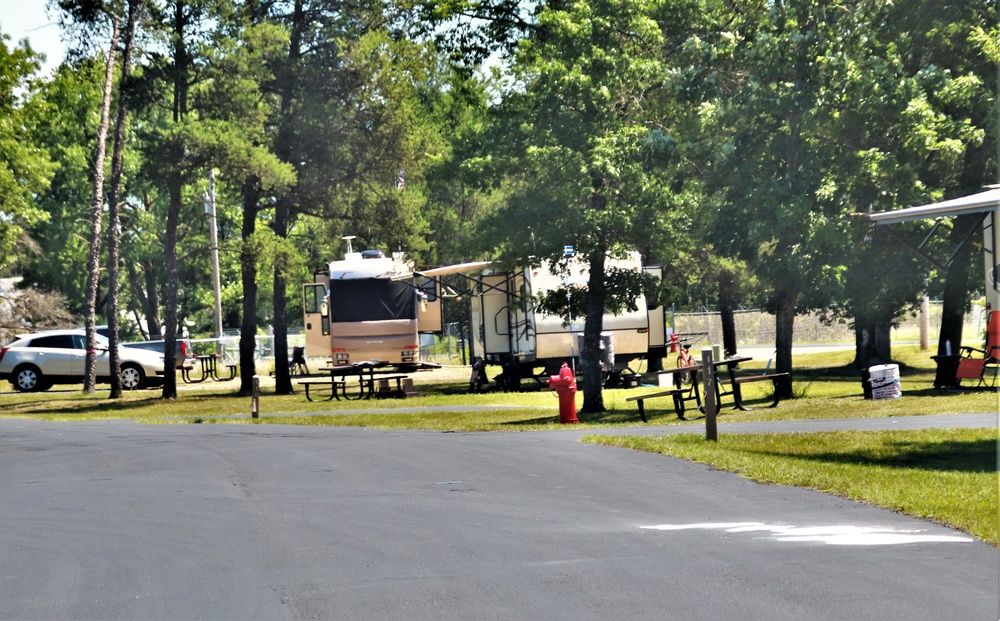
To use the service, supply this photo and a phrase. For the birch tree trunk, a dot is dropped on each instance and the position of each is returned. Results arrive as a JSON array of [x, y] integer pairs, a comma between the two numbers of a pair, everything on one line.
[[96, 210]]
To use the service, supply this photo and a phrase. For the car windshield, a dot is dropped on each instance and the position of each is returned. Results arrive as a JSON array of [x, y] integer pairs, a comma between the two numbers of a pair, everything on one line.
[[100, 340]]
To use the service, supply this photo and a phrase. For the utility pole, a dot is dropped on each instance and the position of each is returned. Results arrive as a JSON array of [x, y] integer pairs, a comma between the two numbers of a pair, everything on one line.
[[214, 237]]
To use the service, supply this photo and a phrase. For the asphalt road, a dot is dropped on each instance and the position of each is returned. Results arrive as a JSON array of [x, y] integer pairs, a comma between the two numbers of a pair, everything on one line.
[[113, 520]]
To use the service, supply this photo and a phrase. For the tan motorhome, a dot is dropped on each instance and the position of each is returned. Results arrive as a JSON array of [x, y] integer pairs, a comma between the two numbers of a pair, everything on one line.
[[355, 311]]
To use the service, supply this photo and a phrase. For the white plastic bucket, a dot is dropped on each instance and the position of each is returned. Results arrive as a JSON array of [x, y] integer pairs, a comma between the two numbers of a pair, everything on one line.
[[885, 381]]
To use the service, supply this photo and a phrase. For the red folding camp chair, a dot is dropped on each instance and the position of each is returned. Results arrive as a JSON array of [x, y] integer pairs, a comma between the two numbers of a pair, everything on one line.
[[975, 367]]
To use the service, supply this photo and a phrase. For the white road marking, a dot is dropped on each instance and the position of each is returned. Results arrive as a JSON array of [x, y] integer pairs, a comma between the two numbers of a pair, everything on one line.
[[839, 535]]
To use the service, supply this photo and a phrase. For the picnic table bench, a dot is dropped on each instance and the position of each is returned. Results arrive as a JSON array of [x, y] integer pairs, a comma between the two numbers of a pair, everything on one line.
[[735, 382], [681, 393], [737, 393], [209, 369], [333, 383]]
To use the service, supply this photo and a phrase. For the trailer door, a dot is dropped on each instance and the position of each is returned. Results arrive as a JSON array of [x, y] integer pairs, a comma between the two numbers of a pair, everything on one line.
[[429, 311], [316, 314]]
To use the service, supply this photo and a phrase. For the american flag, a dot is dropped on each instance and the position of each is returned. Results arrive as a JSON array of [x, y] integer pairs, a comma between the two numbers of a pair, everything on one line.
[[401, 182]]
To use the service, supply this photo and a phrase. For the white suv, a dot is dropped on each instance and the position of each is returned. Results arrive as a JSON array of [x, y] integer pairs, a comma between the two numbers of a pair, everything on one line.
[[37, 361]]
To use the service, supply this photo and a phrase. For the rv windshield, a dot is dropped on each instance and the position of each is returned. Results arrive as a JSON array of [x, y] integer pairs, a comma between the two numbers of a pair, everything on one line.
[[371, 300]]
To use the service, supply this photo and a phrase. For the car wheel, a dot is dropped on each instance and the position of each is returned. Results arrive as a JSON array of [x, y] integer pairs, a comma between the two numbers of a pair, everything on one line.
[[27, 378], [132, 377]]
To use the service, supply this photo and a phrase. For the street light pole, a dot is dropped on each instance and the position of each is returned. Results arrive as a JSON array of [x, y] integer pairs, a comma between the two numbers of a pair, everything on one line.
[[567, 253], [214, 238]]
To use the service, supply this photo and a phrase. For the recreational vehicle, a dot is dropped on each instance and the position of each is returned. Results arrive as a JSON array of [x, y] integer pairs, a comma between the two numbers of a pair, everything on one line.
[[360, 310], [507, 331]]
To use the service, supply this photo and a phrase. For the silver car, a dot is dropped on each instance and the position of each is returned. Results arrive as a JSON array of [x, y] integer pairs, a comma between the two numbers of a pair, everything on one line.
[[36, 361]]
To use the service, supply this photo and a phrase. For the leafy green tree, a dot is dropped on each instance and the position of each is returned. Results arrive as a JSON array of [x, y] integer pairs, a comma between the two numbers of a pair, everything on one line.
[[585, 131], [236, 96], [824, 113], [351, 113], [955, 45], [25, 168], [776, 151], [175, 146], [61, 123]]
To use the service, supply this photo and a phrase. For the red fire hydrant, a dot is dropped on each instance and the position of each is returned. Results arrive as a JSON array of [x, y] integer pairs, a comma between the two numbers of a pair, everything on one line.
[[673, 342], [565, 386]]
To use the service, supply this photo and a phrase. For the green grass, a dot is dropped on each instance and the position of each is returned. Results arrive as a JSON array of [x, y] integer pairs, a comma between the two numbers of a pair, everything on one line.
[[826, 386], [949, 475]]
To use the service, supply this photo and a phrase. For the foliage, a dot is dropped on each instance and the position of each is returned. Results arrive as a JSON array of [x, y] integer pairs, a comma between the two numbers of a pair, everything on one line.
[[713, 137], [63, 122], [25, 169], [583, 138]]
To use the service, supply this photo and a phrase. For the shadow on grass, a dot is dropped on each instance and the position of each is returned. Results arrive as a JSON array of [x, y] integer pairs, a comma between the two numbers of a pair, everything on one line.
[[71, 405], [945, 456], [610, 417]]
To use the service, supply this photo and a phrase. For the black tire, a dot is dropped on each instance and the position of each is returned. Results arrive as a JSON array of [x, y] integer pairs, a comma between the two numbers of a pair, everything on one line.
[[28, 378], [133, 377]]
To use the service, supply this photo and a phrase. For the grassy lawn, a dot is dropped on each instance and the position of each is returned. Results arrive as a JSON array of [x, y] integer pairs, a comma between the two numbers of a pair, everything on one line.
[[949, 475], [946, 475], [825, 385]]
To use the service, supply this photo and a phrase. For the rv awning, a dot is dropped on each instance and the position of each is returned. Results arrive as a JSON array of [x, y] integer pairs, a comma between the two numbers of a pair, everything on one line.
[[974, 203], [435, 272], [455, 269], [986, 203]]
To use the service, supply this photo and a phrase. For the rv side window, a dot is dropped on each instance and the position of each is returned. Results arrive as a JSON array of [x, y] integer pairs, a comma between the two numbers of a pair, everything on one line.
[[312, 298], [428, 287]]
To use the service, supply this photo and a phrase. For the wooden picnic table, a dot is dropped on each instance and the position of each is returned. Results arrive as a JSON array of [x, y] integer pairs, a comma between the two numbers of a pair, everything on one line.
[[209, 365], [367, 376], [731, 387]]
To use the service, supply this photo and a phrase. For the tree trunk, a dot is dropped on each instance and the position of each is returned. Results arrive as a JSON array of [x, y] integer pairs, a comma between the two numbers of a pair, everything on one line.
[[170, 289], [726, 287], [283, 210], [248, 276], [956, 289], [175, 186], [873, 344], [783, 336], [152, 301], [96, 212], [592, 376], [114, 196], [282, 378], [145, 292]]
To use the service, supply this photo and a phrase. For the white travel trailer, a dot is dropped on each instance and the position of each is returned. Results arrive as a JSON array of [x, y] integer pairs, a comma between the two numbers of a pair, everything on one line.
[[360, 310], [507, 331]]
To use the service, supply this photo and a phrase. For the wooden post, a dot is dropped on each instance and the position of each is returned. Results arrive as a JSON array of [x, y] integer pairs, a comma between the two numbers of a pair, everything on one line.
[[925, 322], [711, 407], [255, 407]]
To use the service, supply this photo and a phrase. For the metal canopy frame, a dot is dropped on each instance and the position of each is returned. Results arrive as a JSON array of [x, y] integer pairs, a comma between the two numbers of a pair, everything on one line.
[[986, 203], [920, 248]]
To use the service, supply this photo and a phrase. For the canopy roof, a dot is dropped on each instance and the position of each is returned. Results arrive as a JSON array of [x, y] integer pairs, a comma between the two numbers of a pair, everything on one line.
[[974, 203]]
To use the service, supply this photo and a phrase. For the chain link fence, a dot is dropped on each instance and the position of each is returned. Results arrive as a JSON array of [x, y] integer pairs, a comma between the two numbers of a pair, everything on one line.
[[755, 327]]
